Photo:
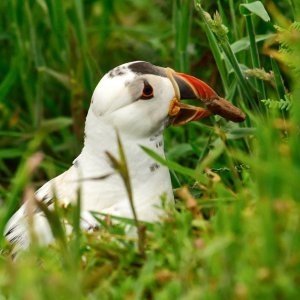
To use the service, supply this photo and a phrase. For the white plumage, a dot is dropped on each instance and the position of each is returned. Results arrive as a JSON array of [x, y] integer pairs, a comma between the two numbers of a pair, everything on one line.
[[136, 99]]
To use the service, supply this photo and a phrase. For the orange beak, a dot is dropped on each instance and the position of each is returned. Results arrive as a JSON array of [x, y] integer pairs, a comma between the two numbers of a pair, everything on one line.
[[189, 87]]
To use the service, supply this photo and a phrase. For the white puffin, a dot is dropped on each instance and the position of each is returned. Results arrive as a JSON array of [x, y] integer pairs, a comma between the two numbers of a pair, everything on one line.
[[139, 100]]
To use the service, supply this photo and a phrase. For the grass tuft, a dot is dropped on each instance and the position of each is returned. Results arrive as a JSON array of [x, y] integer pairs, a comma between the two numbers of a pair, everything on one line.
[[233, 232]]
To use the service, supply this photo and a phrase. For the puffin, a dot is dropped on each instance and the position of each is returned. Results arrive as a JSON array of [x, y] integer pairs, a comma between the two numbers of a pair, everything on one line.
[[135, 101]]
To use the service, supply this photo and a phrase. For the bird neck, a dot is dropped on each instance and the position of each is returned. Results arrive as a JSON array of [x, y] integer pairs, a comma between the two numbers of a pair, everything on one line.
[[101, 138]]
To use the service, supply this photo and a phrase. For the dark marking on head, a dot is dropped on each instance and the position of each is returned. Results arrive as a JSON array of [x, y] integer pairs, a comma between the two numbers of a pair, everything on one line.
[[118, 71], [143, 67], [76, 164]]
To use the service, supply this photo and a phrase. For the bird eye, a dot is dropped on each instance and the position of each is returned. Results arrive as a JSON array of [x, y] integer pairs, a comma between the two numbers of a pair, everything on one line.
[[147, 91]]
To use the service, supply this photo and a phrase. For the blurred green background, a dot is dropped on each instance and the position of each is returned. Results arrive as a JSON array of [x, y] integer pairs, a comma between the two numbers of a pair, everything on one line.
[[234, 234]]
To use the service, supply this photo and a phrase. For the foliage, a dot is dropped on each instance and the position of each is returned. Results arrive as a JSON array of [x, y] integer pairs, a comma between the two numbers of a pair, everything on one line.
[[234, 231], [283, 104]]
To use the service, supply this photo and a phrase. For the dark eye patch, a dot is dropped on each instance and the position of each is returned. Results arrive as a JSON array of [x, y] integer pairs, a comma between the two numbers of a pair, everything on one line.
[[147, 91]]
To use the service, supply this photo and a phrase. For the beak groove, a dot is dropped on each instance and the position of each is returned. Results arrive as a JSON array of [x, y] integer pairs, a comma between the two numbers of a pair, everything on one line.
[[182, 113], [190, 87]]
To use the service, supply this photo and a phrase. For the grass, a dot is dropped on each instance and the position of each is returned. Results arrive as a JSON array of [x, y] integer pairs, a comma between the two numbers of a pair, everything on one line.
[[234, 231]]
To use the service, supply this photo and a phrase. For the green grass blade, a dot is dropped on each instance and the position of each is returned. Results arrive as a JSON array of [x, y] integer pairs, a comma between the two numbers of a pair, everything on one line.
[[175, 166], [278, 80], [215, 50], [182, 13], [220, 32], [256, 8]]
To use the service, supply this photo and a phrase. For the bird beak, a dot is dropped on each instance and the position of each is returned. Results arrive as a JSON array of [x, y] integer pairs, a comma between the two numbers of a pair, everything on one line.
[[189, 87]]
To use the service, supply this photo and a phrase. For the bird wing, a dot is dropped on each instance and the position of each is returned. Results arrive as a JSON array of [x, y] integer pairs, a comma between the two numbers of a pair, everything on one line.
[[63, 188]]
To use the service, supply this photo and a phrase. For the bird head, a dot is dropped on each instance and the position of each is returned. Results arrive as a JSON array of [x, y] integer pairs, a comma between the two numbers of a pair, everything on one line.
[[140, 99]]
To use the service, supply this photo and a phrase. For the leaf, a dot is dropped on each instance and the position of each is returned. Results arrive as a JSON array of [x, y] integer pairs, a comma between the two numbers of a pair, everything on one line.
[[122, 167], [213, 154], [55, 223], [256, 8], [244, 43], [175, 166], [179, 151], [216, 51], [9, 80], [22, 177], [238, 133], [278, 79], [11, 153], [60, 77], [56, 124], [283, 104], [217, 245]]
